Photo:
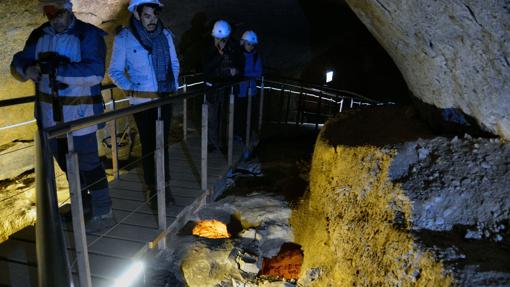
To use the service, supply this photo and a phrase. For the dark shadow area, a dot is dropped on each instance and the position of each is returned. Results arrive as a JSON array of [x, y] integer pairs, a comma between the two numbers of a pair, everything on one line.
[[341, 42], [391, 125], [485, 254], [377, 127], [449, 121], [284, 154], [193, 44]]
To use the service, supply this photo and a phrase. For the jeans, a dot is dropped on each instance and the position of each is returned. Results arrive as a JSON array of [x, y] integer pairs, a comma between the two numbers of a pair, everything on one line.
[[146, 124], [92, 174], [216, 115]]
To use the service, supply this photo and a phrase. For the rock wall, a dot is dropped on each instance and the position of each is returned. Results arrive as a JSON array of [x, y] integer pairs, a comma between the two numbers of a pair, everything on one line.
[[453, 54]]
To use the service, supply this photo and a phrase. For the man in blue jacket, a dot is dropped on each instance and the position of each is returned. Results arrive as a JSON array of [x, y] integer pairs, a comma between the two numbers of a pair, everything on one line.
[[145, 65], [79, 50]]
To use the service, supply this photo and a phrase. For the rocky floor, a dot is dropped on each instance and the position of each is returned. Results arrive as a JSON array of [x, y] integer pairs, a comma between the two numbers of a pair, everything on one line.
[[461, 194]]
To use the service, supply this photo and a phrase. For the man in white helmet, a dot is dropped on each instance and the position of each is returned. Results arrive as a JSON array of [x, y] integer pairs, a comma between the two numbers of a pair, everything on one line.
[[145, 66], [75, 51], [223, 62]]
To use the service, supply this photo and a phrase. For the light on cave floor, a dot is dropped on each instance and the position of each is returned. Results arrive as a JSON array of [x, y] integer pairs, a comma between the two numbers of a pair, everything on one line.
[[131, 275], [211, 229]]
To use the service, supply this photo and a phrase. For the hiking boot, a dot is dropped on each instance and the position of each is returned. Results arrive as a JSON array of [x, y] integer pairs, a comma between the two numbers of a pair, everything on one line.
[[100, 223]]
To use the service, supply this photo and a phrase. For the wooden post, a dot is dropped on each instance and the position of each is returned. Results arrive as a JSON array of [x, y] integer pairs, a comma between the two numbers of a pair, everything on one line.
[[231, 128], [159, 158], [248, 117], [185, 113], [80, 239], [203, 181], [261, 105], [113, 142], [317, 118]]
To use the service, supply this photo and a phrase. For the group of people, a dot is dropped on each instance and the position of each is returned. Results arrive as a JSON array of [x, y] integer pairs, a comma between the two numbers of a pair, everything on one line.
[[144, 64]]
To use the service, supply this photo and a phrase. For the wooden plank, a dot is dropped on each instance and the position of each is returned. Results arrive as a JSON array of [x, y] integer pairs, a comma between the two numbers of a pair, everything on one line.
[[134, 233], [106, 266], [19, 251], [115, 247], [147, 220], [127, 194], [130, 206], [17, 274]]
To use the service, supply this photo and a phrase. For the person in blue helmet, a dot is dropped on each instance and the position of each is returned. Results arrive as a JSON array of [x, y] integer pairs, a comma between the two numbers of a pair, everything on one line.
[[77, 51], [145, 66], [252, 72]]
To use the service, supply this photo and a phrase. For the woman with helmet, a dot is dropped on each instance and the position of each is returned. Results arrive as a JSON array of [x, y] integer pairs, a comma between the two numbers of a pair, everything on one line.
[[223, 62], [252, 71]]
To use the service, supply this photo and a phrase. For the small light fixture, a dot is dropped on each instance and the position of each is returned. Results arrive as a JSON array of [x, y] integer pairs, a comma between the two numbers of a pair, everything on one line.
[[131, 275], [329, 76]]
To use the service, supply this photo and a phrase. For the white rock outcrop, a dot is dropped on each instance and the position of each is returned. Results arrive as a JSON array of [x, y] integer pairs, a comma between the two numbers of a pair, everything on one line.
[[452, 53]]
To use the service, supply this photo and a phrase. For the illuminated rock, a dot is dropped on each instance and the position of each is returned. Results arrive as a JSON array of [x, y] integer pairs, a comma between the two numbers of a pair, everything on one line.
[[211, 229]]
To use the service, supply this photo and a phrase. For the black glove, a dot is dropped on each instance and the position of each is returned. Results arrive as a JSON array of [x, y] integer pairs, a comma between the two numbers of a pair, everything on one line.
[[49, 61]]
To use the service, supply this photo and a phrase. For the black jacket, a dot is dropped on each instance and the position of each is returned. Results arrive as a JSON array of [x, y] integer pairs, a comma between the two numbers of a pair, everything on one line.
[[217, 67]]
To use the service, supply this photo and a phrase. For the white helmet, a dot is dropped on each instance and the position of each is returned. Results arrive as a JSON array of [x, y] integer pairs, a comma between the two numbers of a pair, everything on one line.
[[134, 3], [250, 37], [221, 29]]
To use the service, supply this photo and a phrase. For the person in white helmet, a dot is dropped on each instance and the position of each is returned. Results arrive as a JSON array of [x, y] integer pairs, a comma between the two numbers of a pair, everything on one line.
[[252, 71], [145, 66], [223, 62], [75, 51]]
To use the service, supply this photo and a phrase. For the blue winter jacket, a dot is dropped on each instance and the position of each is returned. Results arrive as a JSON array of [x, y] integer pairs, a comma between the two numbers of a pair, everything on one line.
[[84, 47], [131, 67], [252, 70]]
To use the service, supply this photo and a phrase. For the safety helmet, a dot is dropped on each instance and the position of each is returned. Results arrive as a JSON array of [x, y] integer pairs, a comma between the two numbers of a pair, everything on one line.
[[221, 29], [134, 3], [65, 4], [250, 37]]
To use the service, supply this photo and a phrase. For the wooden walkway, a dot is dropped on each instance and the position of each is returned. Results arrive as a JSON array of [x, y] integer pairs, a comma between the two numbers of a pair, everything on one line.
[[111, 254]]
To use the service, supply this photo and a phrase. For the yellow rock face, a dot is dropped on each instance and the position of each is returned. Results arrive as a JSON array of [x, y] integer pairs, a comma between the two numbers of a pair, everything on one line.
[[346, 223]]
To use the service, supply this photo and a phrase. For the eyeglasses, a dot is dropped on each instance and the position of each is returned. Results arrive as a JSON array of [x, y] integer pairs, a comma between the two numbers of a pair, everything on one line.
[[53, 12]]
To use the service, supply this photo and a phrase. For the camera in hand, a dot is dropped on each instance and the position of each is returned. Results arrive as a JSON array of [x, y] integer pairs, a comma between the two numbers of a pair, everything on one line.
[[49, 61]]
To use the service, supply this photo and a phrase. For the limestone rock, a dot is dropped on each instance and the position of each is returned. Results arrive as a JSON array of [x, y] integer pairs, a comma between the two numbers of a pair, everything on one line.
[[209, 265], [19, 157], [455, 186], [452, 54]]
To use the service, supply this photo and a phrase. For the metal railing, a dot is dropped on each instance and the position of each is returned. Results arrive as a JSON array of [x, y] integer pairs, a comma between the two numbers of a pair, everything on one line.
[[298, 104]]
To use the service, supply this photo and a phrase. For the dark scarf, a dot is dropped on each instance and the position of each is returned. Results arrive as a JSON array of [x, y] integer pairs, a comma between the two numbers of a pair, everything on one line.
[[156, 44]]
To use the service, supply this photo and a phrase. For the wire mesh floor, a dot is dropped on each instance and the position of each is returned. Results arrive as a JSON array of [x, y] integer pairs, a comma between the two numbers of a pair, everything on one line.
[[111, 254]]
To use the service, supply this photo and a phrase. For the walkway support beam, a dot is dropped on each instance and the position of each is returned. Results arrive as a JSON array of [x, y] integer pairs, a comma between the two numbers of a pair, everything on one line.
[[159, 159]]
